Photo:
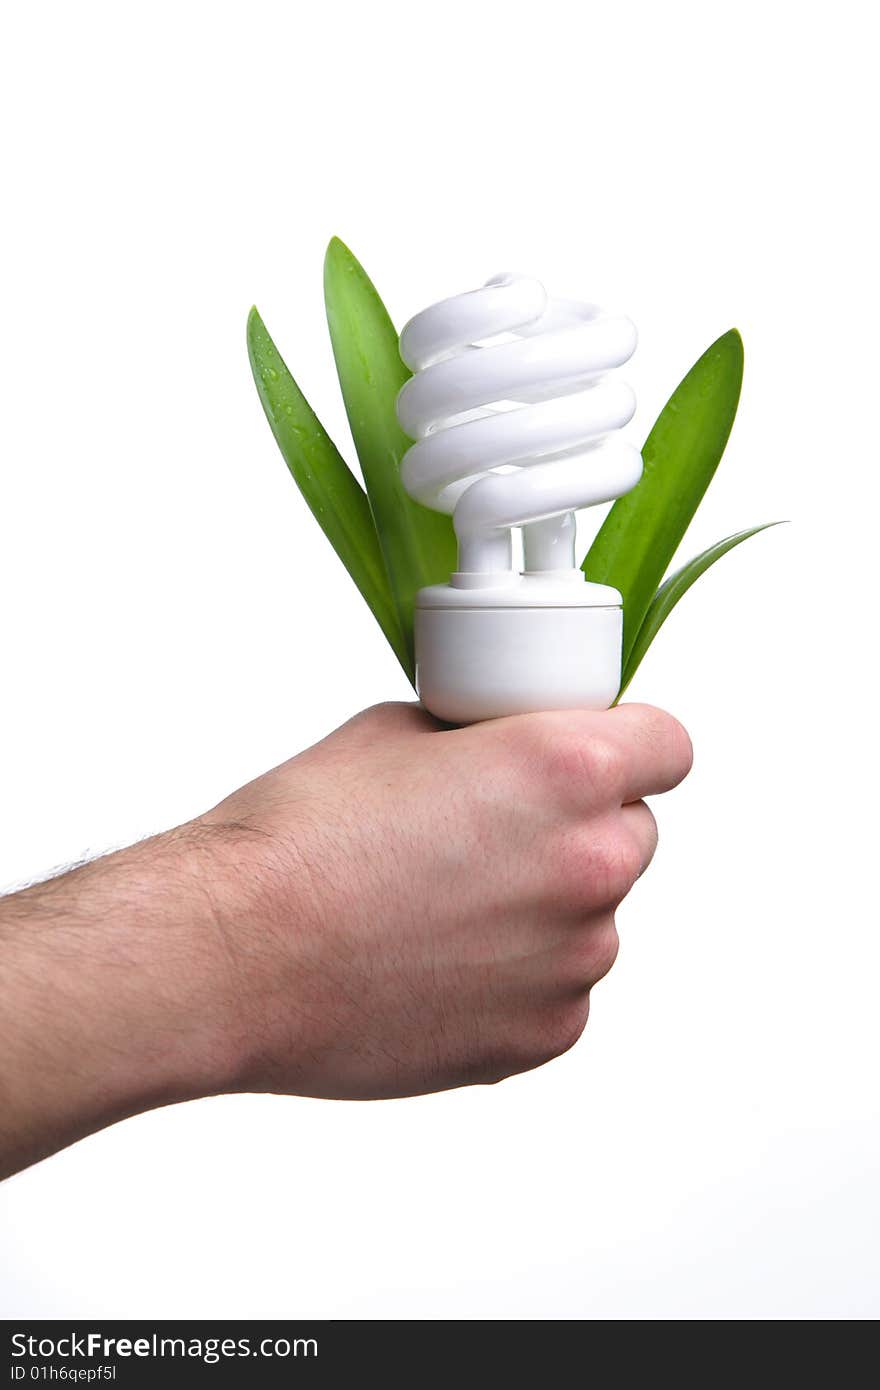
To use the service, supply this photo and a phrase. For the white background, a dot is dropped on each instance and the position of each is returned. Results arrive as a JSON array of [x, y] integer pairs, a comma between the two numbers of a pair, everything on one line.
[[710, 1148]]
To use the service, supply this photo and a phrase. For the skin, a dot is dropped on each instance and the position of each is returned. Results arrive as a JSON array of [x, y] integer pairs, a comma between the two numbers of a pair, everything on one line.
[[402, 908]]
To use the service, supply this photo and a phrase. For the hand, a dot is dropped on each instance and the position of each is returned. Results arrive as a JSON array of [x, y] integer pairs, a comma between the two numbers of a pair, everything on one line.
[[402, 908], [408, 908]]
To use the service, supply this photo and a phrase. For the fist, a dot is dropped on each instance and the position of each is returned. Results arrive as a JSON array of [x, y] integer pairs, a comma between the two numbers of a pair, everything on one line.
[[407, 908]]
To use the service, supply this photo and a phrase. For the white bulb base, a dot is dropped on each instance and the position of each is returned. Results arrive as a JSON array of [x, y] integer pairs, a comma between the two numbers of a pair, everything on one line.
[[537, 642]]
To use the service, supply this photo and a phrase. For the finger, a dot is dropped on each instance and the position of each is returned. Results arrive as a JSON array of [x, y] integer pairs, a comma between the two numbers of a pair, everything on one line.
[[655, 750], [594, 757], [642, 827]]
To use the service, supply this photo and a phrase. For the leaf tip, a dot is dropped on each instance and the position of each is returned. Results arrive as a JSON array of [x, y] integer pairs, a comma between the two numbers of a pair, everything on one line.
[[732, 341], [337, 256], [257, 338]]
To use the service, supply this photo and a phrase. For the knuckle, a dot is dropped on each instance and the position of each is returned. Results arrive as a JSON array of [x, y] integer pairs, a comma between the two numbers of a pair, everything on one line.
[[593, 953], [617, 863], [573, 871], [647, 835], [541, 1033], [604, 764], [595, 868], [580, 761], [538, 1035], [603, 951], [570, 750], [564, 1028]]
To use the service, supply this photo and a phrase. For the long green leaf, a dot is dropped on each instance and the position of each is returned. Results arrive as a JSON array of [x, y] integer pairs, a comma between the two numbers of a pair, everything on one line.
[[643, 530], [674, 588], [418, 545], [334, 495]]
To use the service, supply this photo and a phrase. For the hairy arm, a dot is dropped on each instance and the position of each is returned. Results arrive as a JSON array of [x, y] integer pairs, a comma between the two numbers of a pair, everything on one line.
[[114, 994], [401, 909]]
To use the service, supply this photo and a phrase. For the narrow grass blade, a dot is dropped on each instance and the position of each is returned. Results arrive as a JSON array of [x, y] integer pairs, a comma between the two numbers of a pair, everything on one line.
[[334, 495], [642, 531], [418, 545], [674, 588]]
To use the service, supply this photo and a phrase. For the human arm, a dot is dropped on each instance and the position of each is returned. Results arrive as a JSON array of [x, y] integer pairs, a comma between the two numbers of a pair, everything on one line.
[[402, 908]]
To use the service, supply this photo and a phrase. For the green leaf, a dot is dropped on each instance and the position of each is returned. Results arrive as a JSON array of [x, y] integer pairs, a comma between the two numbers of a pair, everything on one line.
[[334, 495], [418, 545], [643, 530], [674, 588]]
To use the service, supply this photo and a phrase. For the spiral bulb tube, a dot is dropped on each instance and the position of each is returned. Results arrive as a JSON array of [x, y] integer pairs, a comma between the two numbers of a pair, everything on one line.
[[514, 412]]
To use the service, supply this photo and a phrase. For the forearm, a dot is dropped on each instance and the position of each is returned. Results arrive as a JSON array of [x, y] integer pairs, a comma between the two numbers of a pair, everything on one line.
[[116, 994]]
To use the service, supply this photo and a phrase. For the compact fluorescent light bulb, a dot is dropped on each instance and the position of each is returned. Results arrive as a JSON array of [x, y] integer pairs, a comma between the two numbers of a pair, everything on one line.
[[514, 409]]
